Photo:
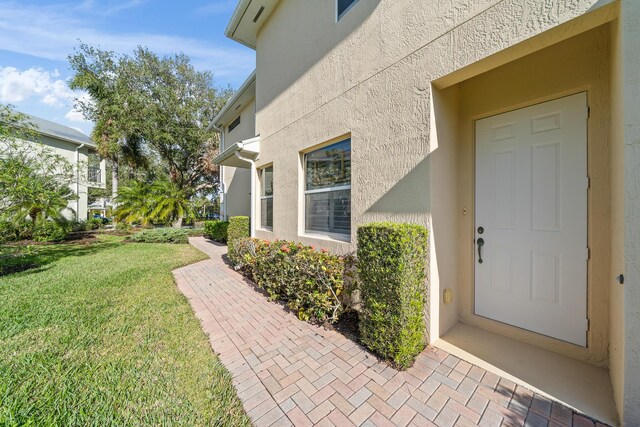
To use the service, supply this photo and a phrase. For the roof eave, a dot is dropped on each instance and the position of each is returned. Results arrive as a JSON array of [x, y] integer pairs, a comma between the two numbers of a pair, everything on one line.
[[215, 123], [248, 148], [252, 24], [87, 144]]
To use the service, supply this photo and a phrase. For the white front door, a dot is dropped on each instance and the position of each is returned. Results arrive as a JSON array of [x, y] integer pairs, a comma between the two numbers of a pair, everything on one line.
[[531, 215]]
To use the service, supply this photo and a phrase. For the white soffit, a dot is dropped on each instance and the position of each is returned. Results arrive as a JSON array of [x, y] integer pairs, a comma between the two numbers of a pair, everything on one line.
[[247, 20]]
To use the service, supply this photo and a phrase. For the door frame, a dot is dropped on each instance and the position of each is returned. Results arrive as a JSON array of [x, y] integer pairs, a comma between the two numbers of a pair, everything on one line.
[[468, 246], [475, 225]]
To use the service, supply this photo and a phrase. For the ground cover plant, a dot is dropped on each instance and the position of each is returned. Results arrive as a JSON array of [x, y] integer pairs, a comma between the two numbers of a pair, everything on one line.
[[100, 335], [160, 235], [391, 270]]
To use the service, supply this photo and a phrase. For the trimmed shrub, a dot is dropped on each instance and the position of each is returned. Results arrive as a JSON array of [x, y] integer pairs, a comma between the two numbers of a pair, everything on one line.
[[310, 282], [95, 224], [391, 267], [160, 235], [216, 230], [238, 228], [51, 231], [8, 232], [11, 231]]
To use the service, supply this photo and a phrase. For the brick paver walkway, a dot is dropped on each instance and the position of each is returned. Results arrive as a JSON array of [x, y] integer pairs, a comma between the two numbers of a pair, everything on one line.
[[288, 372]]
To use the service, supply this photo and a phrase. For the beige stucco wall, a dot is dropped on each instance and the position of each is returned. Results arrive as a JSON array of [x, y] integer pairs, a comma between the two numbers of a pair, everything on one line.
[[578, 64], [629, 33], [369, 76], [237, 181], [616, 290], [405, 82], [68, 151]]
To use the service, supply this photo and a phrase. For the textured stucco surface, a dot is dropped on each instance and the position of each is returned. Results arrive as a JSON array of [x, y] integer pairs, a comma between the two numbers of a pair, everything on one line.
[[578, 64], [370, 76], [373, 76], [617, 170], [630, 26], [237, 181]]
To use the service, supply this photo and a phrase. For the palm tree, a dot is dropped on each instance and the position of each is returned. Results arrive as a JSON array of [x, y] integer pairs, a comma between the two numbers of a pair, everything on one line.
[[171, 204], [135, 203]]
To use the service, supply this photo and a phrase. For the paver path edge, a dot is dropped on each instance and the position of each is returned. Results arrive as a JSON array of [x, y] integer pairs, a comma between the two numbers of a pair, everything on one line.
[[289, 372]]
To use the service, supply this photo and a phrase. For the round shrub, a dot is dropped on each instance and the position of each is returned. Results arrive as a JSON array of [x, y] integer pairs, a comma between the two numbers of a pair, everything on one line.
[[216, 230]]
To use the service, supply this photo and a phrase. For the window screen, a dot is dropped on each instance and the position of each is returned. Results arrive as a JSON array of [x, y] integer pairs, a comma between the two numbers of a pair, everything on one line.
[[328, 189], [266, 199]]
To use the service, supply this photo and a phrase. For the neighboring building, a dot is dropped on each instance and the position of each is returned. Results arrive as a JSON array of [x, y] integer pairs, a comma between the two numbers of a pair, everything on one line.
[[75, 147], [514, 123], [236, 122]]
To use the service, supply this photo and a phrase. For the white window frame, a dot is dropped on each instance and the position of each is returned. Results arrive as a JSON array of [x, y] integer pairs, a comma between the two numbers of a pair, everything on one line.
[[344, 12], [264, 197], [319, 233], [239, 119]]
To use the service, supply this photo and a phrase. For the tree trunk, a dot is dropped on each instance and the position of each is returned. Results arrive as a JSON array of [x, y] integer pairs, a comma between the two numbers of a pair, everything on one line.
[[114, 179], [178, 223]]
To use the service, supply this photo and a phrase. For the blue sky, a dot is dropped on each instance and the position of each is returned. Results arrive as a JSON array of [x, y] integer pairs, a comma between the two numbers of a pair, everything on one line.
[[37, 36]]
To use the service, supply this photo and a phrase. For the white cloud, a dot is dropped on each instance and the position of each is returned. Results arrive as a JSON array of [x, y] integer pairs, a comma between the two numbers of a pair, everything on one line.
[[74, 116], [17, 85], [53, 31]]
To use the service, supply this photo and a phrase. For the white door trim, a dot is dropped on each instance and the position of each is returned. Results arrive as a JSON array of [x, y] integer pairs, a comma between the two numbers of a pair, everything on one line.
[[541, 285]]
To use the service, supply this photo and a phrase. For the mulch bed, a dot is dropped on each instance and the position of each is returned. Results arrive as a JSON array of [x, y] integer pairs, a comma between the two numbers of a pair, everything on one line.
[[73, 238], [347, 325], [17, 268]]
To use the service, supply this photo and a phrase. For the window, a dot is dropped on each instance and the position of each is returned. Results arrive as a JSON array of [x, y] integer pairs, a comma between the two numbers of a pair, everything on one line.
[[328, 189], [344, 6], [234, 124], [266, 198]]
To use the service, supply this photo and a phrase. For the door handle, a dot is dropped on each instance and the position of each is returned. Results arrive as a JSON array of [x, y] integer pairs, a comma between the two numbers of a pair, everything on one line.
[[480, 243]]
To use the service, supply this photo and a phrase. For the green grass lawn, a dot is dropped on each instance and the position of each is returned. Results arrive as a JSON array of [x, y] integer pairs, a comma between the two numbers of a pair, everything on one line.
[[100, 335]]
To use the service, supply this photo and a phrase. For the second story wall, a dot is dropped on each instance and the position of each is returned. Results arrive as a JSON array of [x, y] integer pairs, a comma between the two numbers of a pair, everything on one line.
[[237, 181], [307, 58], [245, 130]]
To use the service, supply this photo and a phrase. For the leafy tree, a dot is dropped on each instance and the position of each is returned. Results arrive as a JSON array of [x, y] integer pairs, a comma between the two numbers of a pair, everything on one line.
[[112, 106], [34, 181], [151, 109], [178, 103]]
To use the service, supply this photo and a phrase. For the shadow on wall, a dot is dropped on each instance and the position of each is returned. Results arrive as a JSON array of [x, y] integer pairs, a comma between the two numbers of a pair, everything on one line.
[[410, 195], [304, 52], [239, 188]]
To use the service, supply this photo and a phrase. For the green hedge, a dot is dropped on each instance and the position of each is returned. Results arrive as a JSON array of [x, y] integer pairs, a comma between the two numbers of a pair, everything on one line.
[[41, 231], [160, 235], [51, 231], [238, 228], [216, 230], [310, 282], [391, 267]]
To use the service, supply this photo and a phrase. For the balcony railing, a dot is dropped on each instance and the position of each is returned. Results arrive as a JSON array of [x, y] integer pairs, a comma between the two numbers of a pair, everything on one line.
[[95, 174]]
